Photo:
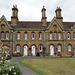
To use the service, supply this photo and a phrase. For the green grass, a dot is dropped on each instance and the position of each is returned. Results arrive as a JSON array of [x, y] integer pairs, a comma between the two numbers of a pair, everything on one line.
[[59, 66]]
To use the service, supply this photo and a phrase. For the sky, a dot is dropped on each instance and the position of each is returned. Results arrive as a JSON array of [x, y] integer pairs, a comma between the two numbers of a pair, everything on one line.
[[30, 10]]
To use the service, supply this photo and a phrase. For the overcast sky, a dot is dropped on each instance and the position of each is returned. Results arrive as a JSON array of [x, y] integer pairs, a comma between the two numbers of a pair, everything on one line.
[[30, 10]]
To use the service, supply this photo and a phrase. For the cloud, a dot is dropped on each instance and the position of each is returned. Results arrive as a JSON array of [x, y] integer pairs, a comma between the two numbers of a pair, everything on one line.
[[30, 10]]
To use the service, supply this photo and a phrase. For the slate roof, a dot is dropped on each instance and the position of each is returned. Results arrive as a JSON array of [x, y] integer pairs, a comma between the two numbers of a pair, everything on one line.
[[38, 24]]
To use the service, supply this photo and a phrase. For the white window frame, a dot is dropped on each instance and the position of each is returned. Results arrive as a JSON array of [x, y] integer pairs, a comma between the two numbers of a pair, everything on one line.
[[59, 36], [33, 35], [26, 35], [2, 35], [69, 48], [18, 48], [74, 35], [40, 48], [40, 36], [18, 36], [59, 48], [55, 36], [68, 36], [7, 35], [51, 36]]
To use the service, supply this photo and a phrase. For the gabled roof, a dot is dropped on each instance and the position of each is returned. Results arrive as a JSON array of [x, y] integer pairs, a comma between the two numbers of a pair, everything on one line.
[[38, 25], [25, 24]]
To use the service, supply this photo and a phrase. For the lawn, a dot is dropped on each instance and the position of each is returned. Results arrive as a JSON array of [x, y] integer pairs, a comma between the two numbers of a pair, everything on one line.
[[58, 66]]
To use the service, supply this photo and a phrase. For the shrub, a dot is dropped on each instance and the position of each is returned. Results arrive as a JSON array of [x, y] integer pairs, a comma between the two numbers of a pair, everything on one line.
[[7, 68], [20, 53]]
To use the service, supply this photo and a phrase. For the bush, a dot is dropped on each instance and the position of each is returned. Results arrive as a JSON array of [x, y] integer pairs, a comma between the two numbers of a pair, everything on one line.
[[7, 68], [16, 68], [20, 53], [38, 54]]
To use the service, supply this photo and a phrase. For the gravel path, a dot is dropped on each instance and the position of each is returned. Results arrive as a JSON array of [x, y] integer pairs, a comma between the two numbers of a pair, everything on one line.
[[25, 70]]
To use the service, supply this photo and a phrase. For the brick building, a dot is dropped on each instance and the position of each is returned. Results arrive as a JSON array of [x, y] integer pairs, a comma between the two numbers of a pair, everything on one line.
[[31, 37]]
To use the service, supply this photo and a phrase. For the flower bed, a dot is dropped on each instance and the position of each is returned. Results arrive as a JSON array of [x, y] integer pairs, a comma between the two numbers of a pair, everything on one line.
[[7, 68]]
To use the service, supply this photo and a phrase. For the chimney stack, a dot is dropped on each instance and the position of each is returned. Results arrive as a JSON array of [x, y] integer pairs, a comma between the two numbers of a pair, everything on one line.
[[14, 17], [58, 15], [44, 16]]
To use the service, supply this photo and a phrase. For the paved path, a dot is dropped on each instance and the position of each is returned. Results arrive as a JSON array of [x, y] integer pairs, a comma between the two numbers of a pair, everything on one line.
[[25, 70]]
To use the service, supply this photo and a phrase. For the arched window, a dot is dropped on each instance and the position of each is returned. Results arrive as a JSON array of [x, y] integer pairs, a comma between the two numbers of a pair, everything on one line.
[[18, 36], [59, 48], [69, 47], [7, 35], [18, 48], [74, 35], [33, 35], [40, 48], [40, 35], [59, 35], [50, 35], [68, 36], [55, 35], [2, 35], [26, 35]]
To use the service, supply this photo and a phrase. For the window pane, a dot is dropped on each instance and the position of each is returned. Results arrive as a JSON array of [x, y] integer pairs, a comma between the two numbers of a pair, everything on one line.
[[18, 36], [74, 35], [2, 35], [25, 36], [18, 48], [55, 36], [68, 36], [59, 35], [7, 35], [40, 48], [33, 36], [59, 48], [69, 47], [40, 36], [50, 35]]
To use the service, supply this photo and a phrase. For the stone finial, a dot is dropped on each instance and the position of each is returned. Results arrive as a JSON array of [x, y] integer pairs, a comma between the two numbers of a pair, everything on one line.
[[14, 6], [58, 7]]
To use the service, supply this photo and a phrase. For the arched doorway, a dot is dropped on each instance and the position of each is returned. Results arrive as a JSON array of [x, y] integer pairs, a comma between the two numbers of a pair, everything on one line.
[[25, 50], [33, 50], [51, 50]]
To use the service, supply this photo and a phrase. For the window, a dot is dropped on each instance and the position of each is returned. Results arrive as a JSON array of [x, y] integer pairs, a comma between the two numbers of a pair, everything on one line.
[[69, 48], [40, 35], [59, 48], [55, 36], [33, 35], [7, 35], [50, 35], [18, 36], [68, 36], [40, 48], [59, 35], [74, 35], [2, 35], [18, 48], [25, 35]]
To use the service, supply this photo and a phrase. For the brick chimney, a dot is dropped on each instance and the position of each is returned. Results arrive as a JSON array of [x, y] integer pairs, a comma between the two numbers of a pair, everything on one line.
[[44, 16], [14, 17], [58, 15]]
